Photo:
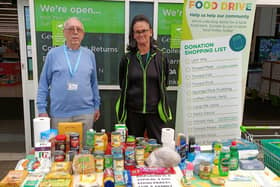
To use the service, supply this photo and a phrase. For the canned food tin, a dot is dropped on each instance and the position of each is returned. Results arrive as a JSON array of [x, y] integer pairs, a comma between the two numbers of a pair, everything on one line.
[[85, 147], [116, 139], [99, 142], [108, 161], [118, 164], [152, 141], [59, 156], [139, 154], [84, 152], [117, 152], [74, 142], [70, 155], [99, 163], [139, 140], [129, 156], [100, 153]]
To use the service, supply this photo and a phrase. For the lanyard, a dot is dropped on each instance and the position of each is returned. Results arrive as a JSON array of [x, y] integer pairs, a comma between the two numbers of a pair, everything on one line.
[[68, 62]]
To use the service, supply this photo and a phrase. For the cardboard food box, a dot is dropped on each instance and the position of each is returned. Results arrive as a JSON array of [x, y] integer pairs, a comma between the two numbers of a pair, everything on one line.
[[43, 150], [69, 127], [14, 178]]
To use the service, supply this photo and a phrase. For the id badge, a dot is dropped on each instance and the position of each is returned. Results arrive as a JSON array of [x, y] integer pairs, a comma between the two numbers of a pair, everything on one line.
[[72, 86]]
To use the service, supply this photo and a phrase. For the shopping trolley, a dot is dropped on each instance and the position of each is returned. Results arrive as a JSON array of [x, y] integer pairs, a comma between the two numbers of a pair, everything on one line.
[[268, 144]]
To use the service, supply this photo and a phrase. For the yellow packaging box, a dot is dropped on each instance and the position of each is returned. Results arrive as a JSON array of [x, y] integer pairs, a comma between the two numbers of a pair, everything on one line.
[[69, 127]]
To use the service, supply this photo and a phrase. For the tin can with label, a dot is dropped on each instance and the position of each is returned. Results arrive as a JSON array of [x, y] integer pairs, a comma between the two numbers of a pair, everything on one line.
[[152, 141], [117, 152], [99, 163], [70, 156], [129, 162], [59, 156], [118, 164], [129, 155], [116, 139], [140, 140], [99, 142], [108, 161], [97, 152], [74, 142], [139, 155]]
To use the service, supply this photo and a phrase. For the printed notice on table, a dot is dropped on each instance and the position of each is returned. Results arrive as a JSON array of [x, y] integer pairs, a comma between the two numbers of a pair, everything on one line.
[[155, 181], [211, 87]]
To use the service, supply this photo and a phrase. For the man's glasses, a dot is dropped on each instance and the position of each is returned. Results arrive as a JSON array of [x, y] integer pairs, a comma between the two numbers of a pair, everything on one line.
[[73, 29], [141, 31]]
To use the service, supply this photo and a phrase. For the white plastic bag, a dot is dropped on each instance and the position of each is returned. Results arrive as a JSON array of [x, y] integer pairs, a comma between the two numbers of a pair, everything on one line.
[[163, 157]]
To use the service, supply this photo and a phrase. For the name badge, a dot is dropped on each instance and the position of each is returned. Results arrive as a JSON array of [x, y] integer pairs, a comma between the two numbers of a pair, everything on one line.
[[72, 86]]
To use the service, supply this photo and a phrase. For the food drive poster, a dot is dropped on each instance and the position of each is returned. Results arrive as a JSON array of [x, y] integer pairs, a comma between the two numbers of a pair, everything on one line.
[[214, 55]]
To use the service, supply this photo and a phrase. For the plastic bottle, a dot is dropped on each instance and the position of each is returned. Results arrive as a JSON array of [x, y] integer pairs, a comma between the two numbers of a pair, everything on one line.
[[217, 149], [105, 137], [224, 160], [234, 156], [186, 180], [90, 139], [191, 147]]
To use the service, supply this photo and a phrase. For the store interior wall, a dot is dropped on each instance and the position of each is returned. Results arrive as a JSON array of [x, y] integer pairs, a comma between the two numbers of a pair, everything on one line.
[[11, 101], [259, 110]]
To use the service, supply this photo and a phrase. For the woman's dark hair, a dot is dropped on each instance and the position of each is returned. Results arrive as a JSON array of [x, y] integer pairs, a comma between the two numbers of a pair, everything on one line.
[[132, 46]]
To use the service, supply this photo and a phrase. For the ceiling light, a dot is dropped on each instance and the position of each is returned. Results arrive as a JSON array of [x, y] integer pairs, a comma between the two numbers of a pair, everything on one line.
[[5, 2]]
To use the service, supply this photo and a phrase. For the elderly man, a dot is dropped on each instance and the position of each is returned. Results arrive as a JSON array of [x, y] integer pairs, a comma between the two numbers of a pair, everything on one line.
[[69, 79]]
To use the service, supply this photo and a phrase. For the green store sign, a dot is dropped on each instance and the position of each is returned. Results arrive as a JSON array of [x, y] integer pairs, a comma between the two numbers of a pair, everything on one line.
[[97, 16]]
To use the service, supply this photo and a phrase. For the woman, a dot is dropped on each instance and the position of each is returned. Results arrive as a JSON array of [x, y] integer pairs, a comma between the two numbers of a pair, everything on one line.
[[143, 76]]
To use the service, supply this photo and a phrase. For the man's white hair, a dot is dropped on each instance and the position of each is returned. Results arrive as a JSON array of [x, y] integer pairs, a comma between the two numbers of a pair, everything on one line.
[[72, 18]]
